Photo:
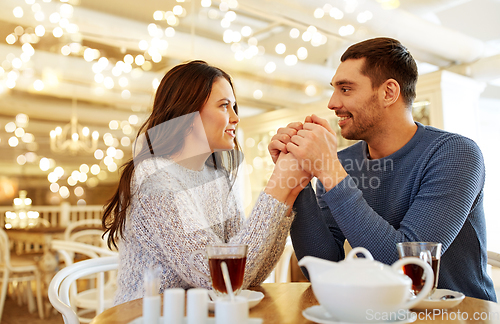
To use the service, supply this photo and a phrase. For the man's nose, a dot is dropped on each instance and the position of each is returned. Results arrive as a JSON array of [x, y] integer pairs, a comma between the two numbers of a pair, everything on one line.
[[334, 102]]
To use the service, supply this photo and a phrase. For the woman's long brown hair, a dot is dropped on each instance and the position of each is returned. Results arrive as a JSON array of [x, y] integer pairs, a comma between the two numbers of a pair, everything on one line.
[[183, 90]]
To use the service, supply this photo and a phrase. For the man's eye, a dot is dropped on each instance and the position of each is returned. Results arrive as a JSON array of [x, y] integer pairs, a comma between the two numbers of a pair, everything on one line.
[[345, 89]]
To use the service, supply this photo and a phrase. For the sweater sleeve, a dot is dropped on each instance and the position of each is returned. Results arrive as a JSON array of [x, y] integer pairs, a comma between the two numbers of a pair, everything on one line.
[[277, 249], [174, 236], [450, 181], [265, 232]]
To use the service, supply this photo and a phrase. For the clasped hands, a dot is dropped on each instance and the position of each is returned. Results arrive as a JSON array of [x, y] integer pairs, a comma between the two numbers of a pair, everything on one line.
[[302, 151]]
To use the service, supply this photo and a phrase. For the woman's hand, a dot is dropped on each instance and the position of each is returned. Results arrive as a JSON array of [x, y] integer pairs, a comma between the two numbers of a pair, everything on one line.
[[288, 179], [282, 137], [315, 147]]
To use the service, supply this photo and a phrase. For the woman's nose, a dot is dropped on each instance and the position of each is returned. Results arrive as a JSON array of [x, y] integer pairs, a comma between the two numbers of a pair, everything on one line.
[[233, 117]]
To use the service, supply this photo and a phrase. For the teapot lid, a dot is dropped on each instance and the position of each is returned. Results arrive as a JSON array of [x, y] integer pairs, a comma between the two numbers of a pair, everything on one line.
[[364, 272]]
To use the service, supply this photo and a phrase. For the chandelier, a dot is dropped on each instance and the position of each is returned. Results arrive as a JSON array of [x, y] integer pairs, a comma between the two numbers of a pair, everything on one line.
[[73, 137], [22, 216]]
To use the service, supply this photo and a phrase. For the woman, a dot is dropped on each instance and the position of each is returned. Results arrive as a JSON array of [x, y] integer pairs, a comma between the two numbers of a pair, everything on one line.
[[177, 194]]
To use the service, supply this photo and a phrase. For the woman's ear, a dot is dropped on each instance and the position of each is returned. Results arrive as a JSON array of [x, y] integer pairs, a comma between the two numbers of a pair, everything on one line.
[[391, 92]]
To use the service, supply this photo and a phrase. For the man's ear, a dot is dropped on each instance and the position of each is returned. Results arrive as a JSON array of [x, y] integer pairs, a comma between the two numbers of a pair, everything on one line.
[[391, 91]]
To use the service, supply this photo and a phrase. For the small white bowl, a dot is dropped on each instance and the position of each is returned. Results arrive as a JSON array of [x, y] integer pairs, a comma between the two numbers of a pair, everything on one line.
[[254, 297], [435, 301]]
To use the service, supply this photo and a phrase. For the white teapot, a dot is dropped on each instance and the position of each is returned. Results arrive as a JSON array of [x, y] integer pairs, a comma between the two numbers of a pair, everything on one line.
[[360, 289]]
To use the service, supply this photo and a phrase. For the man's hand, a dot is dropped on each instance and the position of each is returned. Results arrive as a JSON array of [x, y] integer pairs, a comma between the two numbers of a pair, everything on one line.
[[315, 147], [282, 137]]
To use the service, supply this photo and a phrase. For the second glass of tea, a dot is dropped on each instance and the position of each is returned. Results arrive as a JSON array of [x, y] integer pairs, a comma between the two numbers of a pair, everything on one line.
[[427, 251], [235, 257]]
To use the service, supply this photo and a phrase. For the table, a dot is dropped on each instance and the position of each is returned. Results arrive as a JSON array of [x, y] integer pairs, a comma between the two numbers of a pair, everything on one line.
[[284, 302], [38, 237]]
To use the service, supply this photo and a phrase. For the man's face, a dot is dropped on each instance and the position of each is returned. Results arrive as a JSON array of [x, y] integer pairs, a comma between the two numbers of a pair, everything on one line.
[[355, 102]]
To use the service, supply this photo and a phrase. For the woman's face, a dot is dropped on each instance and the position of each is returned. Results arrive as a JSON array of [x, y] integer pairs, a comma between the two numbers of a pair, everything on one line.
[[218, 116]]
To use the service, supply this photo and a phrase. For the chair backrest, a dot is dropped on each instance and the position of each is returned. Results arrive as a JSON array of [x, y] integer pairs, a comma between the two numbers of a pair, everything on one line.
[[89, 236], [60, 285], [4, 249], [81, 223], [494, 259], [67, 248]]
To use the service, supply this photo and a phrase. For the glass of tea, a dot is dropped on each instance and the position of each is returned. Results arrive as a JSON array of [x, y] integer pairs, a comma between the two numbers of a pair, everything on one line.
[[235, 257], [427, 251]]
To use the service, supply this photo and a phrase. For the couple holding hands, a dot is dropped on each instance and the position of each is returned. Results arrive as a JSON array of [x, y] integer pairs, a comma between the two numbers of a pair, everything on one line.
[[402, 181]]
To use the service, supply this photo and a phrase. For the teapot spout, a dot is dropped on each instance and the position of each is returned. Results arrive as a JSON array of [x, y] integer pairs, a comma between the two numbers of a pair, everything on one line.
[[315, 266]]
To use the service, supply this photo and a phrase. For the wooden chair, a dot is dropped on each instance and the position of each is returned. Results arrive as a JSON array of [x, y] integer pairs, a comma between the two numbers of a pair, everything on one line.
[[59, 288], [494, 259], [18, 269], [282, 271]]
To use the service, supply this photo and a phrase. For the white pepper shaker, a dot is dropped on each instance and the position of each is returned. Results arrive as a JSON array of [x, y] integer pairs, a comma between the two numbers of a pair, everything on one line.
[[229, 311], [197, 306], [151, 303], [173, 306]]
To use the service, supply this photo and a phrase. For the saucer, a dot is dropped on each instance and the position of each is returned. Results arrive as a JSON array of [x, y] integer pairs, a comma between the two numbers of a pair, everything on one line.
[[318, 314], [254, 297], [210, 320], [435, 301]]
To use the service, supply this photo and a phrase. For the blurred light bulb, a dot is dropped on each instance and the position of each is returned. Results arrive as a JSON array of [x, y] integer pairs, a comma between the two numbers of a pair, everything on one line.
[[280, 48], [143, 45], [11, 39], [311, 90], [270, 67], [257, 94], [177, 10], [318, 13], [18, 12], [54, 18], [39, 30], [302, 53], [57, 32], [246, 31], [290, 60], [38, 85], [336, 13], [158, 15], [294, 33]]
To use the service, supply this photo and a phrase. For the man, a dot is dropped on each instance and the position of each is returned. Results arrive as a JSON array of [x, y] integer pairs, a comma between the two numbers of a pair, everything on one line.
[[402, 181]]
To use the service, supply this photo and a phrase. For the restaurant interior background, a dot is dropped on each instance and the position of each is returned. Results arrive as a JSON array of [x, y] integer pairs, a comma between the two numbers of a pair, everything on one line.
[[77, 78]]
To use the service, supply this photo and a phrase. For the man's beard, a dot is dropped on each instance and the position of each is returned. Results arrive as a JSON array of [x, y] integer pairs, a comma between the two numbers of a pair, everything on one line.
[[362, 125]]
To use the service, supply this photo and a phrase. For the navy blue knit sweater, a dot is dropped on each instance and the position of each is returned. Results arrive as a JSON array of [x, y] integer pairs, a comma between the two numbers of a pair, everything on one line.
[[430, 190]]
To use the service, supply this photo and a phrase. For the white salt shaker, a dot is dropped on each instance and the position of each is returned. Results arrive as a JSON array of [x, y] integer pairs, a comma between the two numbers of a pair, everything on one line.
[[231, 312], [151, 303], [173, 306], [197, 306]]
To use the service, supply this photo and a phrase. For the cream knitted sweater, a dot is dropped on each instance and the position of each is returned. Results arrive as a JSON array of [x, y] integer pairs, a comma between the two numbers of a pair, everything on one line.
[[175, 211]]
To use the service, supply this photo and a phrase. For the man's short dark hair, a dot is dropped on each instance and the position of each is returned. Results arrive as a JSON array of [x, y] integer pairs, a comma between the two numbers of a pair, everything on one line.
[[386, 58]]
